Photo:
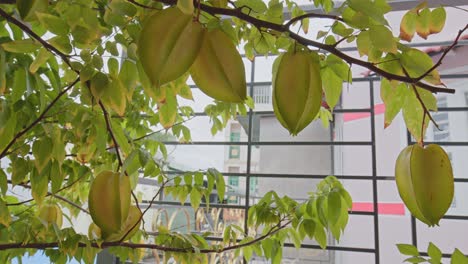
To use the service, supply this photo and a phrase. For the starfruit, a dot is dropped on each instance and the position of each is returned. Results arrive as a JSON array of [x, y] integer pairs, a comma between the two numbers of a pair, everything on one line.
[[219, 70], [50, 214], [297, 89], [109, 201], [129, 228], [168, 45], [425, 182]]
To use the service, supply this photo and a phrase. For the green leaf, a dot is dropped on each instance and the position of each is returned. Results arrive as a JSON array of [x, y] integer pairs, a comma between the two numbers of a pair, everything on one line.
[[413, 115], [62, 43], [408, 25], [3, 182], [20, 83], [28, 8], [347, 198], [393, 95], [195, 198], [220, 184], [458, 257], [21, 46], [407, 249], [382, 39], [128, 75], [257, 6], [114, 96], [295, 237], [39, 184], [332, 86], [168, 109], [437, 21], [334, 207], [56, 176], [247, 252], [53, 23], [415, 260], [363, 43], [422, 23], [267, 245], [20, 169], [370, 9], [416, 63], [308, 227], [42, 152], [120, 137], [320, 236], [5, 217], [434, 252]]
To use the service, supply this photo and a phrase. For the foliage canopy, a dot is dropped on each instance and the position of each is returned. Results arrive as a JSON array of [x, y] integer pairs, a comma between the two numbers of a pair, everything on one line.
[[87, 86]]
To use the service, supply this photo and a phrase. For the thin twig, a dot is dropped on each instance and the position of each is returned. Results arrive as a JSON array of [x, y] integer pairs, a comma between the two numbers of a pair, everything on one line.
[[446, 51], [58, 197], [141, 5], [311, 15], [114, 140], [48, 194]]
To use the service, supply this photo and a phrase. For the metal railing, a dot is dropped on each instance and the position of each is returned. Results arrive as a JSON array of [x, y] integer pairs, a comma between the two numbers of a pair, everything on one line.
[[373, 178]]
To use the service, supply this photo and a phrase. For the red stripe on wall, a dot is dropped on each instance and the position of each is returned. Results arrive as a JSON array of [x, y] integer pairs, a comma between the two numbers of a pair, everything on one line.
[[384, 208], [378, 109]]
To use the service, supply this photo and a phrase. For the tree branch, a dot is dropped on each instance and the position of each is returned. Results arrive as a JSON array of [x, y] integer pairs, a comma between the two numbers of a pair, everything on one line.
[[114, 140], [149, 246], [48, 194], [38, 119], [56, 196], [311, 15], [283, 28], [31, 33], [449, 48]]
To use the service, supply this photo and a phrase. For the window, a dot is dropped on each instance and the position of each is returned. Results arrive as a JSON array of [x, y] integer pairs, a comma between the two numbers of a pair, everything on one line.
[[233, 182], [234, 150], [262, 94], [442, 119], [253, 184]]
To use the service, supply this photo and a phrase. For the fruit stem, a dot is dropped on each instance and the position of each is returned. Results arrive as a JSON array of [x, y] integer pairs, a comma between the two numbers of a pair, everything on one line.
[[199, 10]]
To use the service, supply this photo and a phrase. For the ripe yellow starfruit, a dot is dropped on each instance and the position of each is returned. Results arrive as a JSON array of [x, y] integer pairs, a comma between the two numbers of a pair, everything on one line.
[[168, 45], [109, 201], [219, 70], [297, 89], [425, 182]]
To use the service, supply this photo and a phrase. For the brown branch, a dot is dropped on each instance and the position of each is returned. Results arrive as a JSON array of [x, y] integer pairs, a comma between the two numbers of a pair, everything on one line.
[[56, 196], [311, 15], [449, 48], [38, 119], [31, 33], [48, 194], [149, 246], [259, 23], [141, 5], [109, 129]]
